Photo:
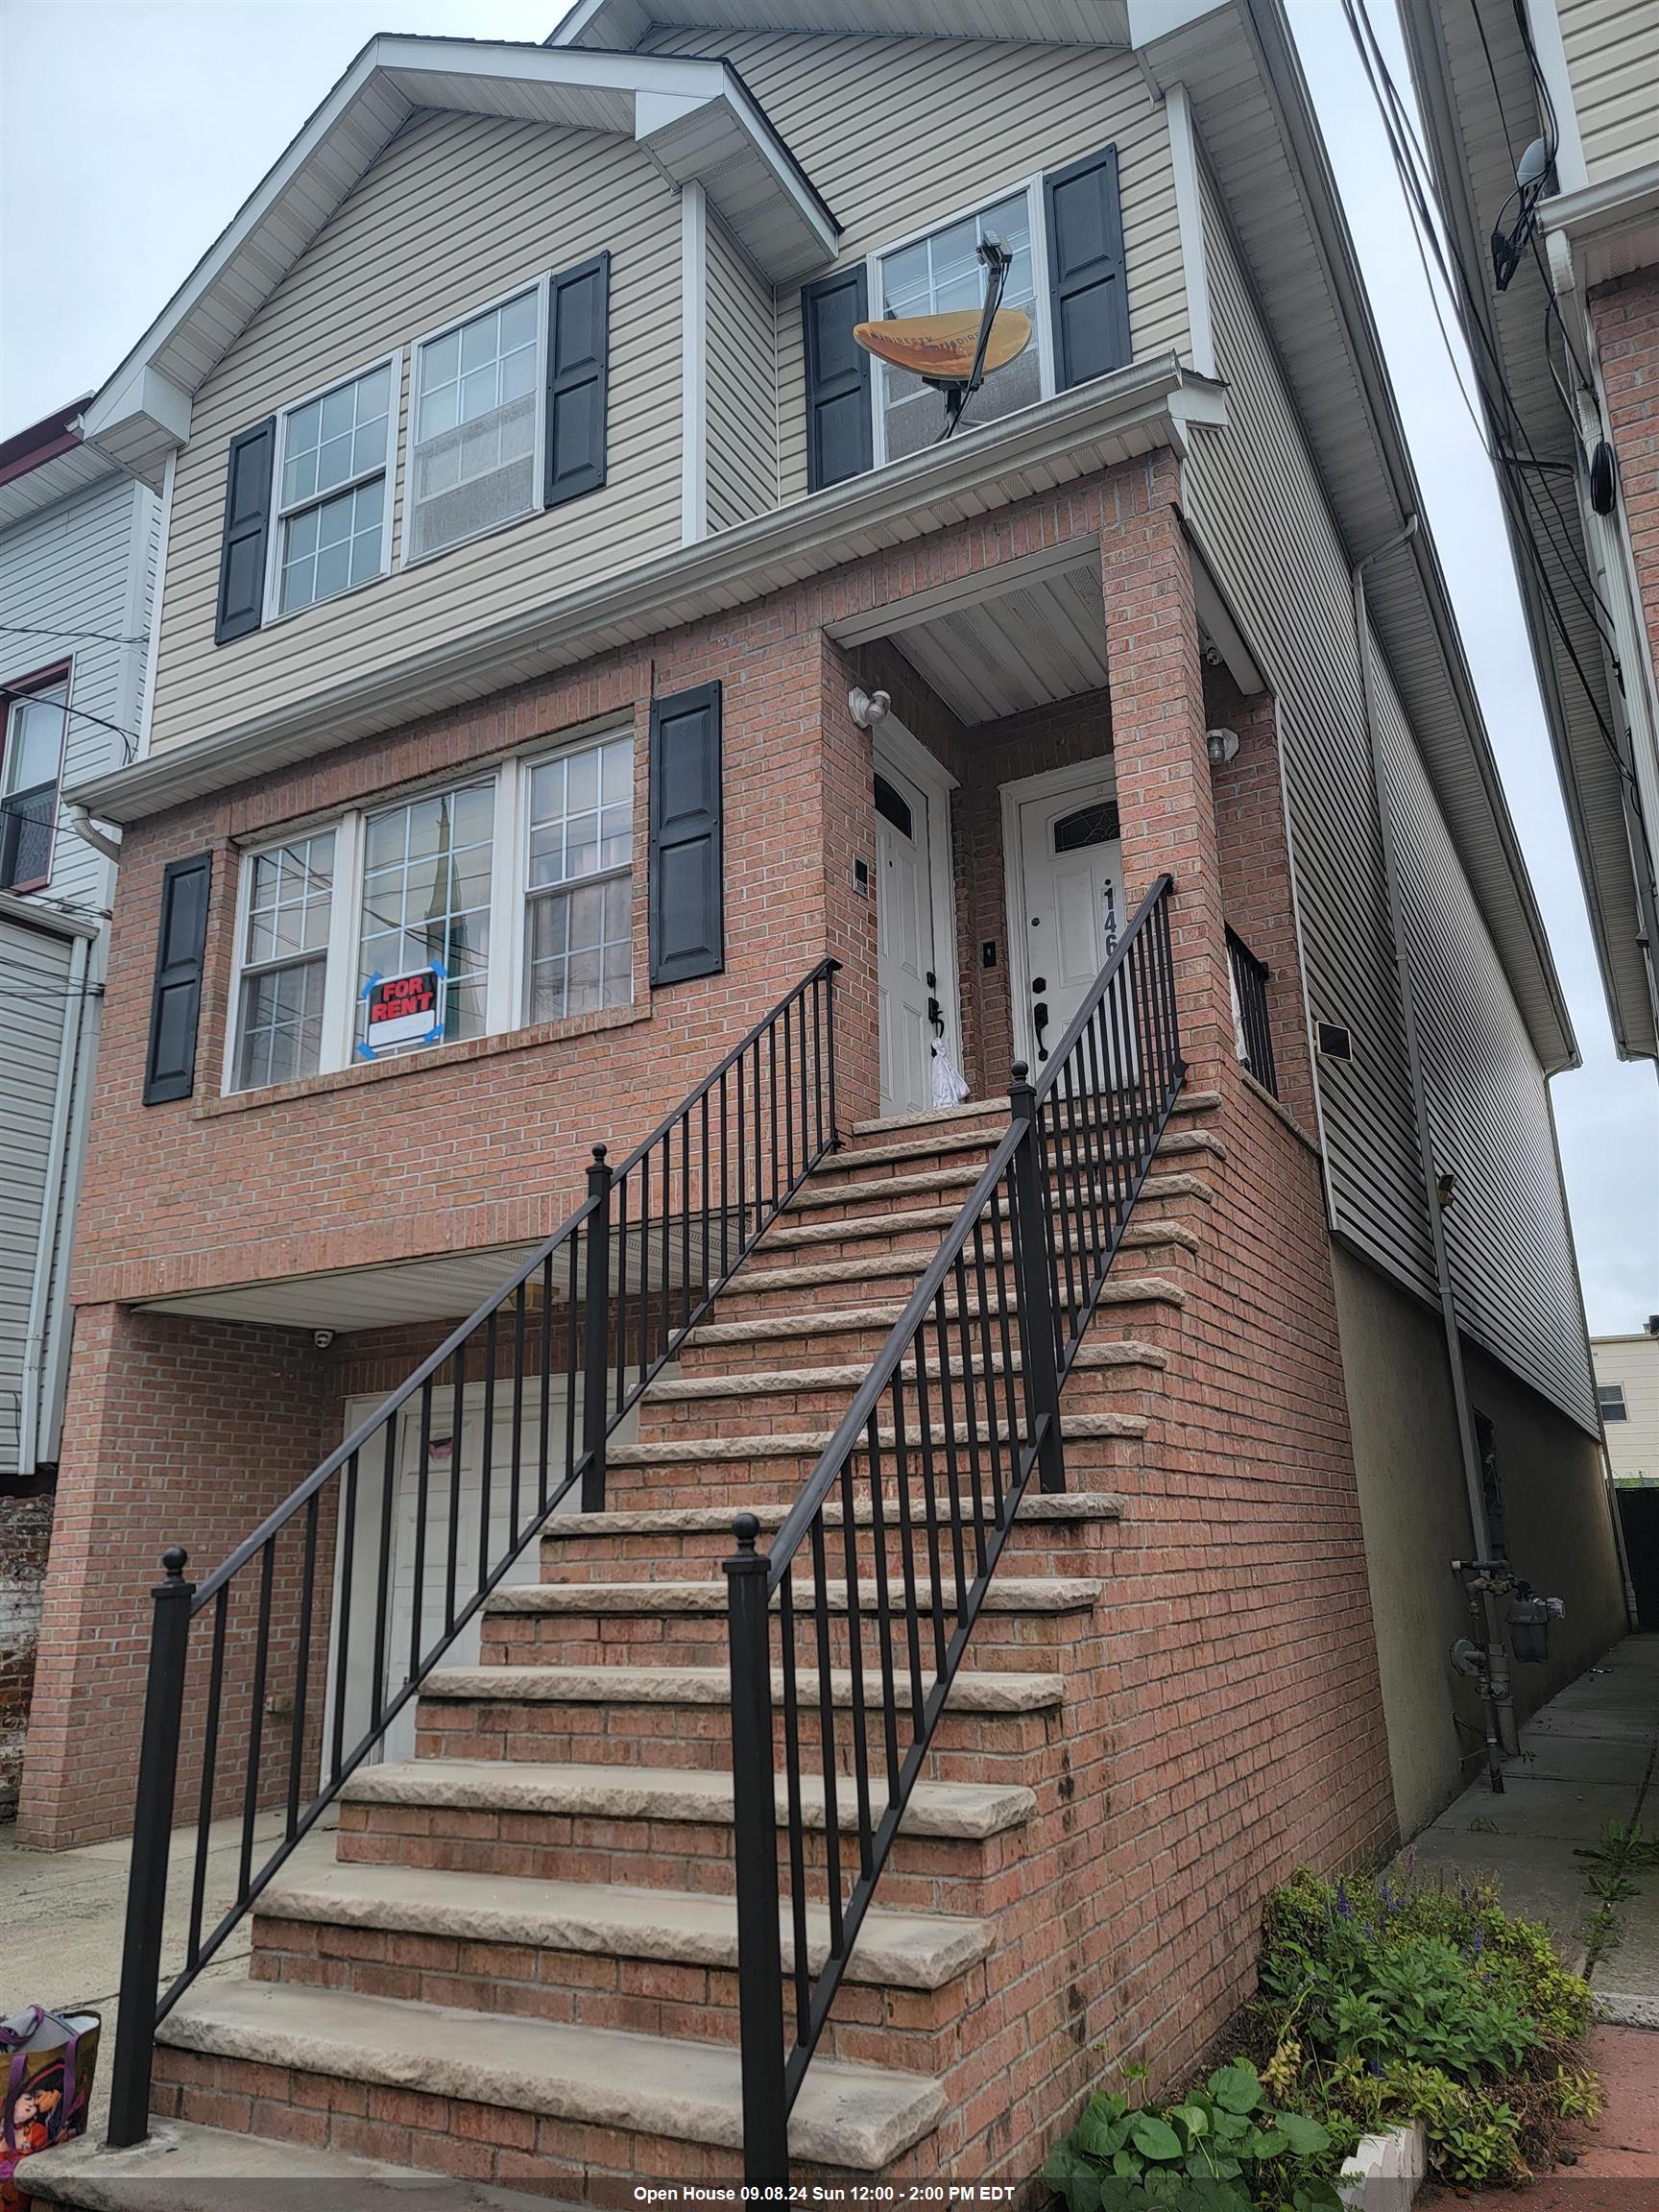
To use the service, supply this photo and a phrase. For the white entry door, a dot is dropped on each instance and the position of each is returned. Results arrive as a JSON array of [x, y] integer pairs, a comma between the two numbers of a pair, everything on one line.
[[906, 973], [1069, 882]]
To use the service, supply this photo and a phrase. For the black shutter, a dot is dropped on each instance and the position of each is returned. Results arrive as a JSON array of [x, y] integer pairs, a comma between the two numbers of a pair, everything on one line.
[[840, 433], [1088, 292], [578, 355], [246, 523], [175, 995], [688, 926]]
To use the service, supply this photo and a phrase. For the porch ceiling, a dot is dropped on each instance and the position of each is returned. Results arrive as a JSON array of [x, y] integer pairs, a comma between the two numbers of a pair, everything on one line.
[[1026, 648], [443, 1289]]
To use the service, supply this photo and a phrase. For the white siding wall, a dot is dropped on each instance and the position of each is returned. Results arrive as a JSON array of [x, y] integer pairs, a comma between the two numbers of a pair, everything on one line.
[[1265, 522], [1612, 50], [899, 133], [1506, 1238], [458, 211], [34, 983], [71, 578], [742, 385]]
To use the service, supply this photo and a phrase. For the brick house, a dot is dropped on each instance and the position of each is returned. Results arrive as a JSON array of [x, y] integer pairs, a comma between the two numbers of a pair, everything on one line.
[[593, 698], [78, 539], [1565, 314]]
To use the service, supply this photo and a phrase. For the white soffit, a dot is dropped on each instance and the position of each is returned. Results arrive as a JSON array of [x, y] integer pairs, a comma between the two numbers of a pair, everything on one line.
[[1001, 652], [695, 118], [446, 1289], [625, 23]]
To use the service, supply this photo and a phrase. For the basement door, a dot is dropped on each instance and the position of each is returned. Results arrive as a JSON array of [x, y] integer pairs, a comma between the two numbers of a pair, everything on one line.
[[1065, 909], [455, 1468], [916, 953]]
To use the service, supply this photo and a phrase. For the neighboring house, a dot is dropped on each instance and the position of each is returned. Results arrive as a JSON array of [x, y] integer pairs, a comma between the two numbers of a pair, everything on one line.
[[1565, 353], [78, 541], [586, 684], [1628, 1390]]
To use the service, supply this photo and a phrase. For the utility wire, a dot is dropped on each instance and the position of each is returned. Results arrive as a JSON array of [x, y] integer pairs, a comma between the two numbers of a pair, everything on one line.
[[56, 630], [130, 737]]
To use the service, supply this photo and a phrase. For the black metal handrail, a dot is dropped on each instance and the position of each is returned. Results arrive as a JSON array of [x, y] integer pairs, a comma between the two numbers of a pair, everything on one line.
[[1250, 981], [913, 1501], [634, 1269]]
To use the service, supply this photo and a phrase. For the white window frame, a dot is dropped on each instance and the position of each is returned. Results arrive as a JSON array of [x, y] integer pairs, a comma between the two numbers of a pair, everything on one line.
[[281, 516], [509, 903], [538, 285], [527, 765], [1042, 333], [1605, 1392]]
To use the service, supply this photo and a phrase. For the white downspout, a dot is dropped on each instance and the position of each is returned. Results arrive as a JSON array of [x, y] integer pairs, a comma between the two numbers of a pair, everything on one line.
[[1497, 1654]]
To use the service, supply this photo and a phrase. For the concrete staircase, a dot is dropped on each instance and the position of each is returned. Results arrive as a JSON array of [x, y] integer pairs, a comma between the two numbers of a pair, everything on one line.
[[519, 1971]]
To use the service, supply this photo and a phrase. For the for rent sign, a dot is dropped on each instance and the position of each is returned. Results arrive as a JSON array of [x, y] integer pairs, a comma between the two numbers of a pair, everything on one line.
[[402, 1010]]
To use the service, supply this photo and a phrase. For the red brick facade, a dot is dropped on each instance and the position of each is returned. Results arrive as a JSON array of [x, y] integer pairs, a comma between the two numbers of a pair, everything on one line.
[[1231, 1724]]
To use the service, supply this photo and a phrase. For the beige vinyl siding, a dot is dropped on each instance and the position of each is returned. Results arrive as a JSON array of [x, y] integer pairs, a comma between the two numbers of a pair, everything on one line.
[[742, 385], [1265, 522], [1612, 50], [1633, 1443], [902, 133], [1506, 1238], [458, 211]]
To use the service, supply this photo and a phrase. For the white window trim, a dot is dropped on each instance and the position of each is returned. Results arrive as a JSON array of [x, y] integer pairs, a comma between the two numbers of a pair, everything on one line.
[[279, 514], [538, 285], [1042, 331], [509, 903], [527, 764]]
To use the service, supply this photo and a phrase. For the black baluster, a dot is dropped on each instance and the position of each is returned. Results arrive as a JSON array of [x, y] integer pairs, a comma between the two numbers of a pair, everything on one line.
[[596, 1348], [754, 1850]]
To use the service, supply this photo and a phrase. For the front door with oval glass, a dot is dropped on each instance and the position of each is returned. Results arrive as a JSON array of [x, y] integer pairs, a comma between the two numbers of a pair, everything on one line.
[[906, 976], [1067, 900]]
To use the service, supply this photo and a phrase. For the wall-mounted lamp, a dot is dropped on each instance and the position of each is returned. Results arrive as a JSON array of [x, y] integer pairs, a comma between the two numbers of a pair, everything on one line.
[[1446, 1187], [868, 708], [1222, 746]]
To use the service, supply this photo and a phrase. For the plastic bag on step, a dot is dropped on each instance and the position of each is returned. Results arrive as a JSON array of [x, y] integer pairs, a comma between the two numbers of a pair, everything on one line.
[[949, 1084]]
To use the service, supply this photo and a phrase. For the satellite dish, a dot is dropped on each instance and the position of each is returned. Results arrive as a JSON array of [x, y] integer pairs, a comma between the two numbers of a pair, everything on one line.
[[941, 348], [955, 352]]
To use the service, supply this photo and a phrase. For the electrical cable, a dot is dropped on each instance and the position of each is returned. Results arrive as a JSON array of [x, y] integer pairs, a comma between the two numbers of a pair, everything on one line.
[[54, 630], [80, 713]]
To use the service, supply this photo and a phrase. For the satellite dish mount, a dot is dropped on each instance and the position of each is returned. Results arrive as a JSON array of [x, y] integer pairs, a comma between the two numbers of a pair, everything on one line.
[[955, 354]]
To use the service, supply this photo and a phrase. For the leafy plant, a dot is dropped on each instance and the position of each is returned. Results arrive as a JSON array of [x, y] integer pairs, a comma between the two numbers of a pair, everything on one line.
[[1221, 2147]]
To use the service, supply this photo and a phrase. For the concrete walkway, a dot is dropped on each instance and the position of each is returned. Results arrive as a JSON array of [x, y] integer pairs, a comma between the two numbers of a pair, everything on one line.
[[1590, 1756], [62, 1916]]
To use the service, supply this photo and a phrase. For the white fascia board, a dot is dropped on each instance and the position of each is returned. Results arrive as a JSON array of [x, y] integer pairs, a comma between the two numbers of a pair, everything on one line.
[[1151, 19], [139, 412], [1607, 229]]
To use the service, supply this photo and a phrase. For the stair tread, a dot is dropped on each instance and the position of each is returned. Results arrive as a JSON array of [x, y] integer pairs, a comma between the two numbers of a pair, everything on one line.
[[903, 1950], [790, 1236], [182, 2167], [963, 1811], [816, 1273], [857, 2116], [677, 1451], [1005, 1594], [696, 1519], [975, 1690], [943, 1138], [1188, 1103], [689, 1388]]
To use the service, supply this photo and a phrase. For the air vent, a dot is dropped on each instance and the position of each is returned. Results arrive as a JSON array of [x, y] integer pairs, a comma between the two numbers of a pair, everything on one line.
[[1334, 1042]]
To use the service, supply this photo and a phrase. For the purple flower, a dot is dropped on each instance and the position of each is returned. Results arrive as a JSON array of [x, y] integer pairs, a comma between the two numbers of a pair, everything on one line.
[[1344, 1909]]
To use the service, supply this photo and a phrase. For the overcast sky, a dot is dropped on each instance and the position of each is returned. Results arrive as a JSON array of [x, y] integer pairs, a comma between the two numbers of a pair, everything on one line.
[[129, 135]]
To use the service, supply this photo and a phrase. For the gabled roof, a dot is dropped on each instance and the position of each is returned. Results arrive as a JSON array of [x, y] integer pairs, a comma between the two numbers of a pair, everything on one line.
[[46, 462], [695, 118]]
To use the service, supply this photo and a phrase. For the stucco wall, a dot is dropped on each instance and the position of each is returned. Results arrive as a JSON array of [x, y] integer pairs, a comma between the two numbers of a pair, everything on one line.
[[1415, 1508]]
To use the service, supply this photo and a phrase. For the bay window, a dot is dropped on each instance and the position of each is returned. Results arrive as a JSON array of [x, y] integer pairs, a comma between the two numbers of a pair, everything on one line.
[[513, 892]]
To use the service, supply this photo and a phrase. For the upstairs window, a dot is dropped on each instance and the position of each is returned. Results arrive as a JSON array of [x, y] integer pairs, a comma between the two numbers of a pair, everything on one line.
[[31, 762], [1610, 1397], [476, 447], [942, 274], [334, 490]]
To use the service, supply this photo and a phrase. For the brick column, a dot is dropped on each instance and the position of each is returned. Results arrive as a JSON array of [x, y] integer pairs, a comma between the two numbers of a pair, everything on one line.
[[1163, 789]]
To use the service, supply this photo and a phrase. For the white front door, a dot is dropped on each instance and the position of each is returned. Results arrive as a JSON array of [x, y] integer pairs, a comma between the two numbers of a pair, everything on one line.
[[906, 975], [1070, 883]]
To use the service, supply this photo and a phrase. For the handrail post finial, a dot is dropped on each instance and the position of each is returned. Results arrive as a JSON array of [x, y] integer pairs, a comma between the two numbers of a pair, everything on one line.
[[152, 1833]]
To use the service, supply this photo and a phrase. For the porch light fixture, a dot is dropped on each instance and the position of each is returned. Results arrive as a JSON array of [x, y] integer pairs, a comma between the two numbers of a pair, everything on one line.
[[868, 708], [1222, 746]]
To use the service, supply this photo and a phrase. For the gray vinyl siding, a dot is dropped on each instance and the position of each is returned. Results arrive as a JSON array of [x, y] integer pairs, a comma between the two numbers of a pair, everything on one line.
[[902, 133], [1612, 50], [68, 580], [457, 211], [35, 982], [1507, 1243], [742, 385], [1265, 522]]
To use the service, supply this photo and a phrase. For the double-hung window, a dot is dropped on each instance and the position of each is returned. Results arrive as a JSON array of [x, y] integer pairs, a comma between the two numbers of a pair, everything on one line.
[[334, 490], [284, 962], [940, 274], [517, 888], [476, 449], [579, 919], [31, 762], [1610, 1397]]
